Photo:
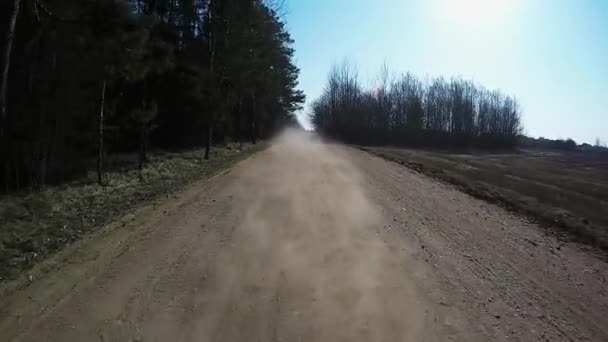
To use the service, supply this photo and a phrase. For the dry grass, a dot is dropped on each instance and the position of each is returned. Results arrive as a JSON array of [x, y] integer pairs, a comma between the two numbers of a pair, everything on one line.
[[35, 224], [568, 191]]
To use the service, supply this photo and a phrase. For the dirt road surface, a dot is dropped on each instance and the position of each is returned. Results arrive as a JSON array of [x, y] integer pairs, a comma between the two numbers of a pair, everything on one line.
[[313, 242]]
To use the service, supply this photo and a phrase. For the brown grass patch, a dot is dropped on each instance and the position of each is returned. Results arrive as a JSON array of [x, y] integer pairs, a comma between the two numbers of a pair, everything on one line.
[[34, 225]]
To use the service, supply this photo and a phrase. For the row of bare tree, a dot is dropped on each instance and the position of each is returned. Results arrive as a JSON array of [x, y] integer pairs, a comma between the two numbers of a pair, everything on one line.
[[404, 110]]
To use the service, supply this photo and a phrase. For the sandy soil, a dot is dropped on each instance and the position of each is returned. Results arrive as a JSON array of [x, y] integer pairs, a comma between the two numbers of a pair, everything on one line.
[[314, 242]]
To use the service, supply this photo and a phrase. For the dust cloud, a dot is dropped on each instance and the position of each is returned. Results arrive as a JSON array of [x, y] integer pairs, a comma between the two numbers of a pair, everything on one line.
[[305, 262]]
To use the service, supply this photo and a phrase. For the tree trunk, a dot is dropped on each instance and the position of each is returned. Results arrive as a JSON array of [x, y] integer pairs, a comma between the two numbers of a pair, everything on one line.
[[140, 159], [252, 127], [100, 134], [42, 168], [211, 41], [8, 47], [6, 62], [17, 171], [208, 142], [5, 158], [239, 130], [237, 121], [143, 137]]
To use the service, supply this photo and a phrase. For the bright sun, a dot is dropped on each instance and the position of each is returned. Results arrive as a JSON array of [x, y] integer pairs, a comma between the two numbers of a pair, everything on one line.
[[476, 14]]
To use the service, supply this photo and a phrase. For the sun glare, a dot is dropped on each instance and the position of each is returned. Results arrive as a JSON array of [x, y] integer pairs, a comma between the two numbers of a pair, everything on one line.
[[478, 14]]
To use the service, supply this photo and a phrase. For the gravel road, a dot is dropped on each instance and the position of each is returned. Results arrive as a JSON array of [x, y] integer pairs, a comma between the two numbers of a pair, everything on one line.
[[314, 242]]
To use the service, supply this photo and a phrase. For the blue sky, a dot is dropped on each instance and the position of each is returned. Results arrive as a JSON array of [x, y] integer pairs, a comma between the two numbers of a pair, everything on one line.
[[551, 54]]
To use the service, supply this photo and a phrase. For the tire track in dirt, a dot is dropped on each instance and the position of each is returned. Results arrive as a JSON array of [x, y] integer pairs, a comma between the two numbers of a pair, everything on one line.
[[282, 248]]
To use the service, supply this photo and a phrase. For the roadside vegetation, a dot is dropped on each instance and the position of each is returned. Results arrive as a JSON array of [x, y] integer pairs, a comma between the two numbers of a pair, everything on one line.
[[90, 91], [36, 224], [83, 80], [564, 190]]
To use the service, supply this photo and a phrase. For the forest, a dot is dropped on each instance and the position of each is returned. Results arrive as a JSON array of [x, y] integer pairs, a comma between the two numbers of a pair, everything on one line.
[[405, 111], [85, 79]]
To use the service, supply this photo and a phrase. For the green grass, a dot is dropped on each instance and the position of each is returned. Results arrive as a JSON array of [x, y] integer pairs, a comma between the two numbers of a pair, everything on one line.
[[33, 225]]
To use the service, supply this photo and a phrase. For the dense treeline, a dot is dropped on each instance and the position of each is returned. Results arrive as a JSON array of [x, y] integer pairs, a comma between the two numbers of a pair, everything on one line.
[[81, 79], [561, 145], [407, 111]]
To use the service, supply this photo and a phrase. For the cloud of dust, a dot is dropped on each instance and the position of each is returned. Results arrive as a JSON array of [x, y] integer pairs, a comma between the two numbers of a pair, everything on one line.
[[307, 256]]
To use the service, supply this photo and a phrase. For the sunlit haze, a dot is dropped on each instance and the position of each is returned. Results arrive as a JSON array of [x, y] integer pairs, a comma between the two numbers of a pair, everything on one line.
[[551, 55], [483, 15]]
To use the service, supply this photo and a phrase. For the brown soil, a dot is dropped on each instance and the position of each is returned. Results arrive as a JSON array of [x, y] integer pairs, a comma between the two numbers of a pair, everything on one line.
[[566, 192], [313, 242]]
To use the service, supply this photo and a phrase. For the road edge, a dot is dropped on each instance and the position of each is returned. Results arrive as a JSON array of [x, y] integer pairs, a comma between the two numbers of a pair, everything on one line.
[[562, 230], [81, 261]]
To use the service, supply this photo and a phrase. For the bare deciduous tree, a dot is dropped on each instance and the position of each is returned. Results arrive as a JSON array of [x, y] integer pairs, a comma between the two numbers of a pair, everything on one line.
[[405, 110]]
